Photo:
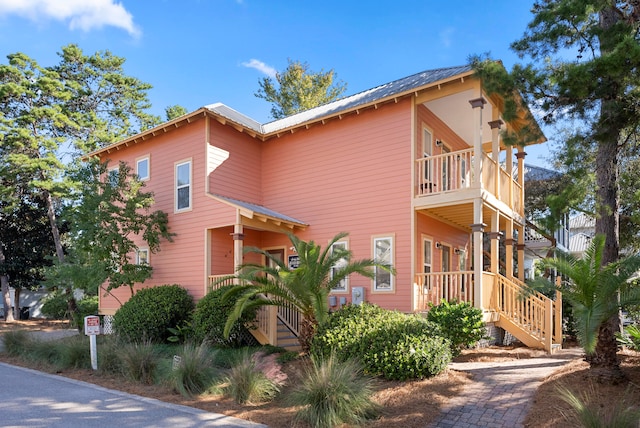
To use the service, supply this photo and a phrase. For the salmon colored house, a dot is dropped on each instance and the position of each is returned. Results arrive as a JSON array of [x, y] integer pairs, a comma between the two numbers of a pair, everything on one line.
[[414, 170]]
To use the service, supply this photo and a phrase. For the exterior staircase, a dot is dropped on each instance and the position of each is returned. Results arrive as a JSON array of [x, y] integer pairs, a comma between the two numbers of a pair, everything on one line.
[[531, 317]]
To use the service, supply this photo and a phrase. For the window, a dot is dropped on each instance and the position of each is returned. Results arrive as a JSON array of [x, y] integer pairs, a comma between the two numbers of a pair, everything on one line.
[[142, 256], [427, 260], [112, 176], [142, 168], [383, 254], [183, 186], [343, 285], [427, 150], [426, 255]]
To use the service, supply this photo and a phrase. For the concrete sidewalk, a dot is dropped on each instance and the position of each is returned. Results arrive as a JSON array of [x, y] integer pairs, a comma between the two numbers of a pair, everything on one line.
[[34, 399], [501, 392]]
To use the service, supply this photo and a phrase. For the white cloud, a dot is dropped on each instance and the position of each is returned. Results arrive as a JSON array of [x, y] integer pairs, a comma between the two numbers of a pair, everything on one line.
[[446, 36], [80, 14], [260, 66]]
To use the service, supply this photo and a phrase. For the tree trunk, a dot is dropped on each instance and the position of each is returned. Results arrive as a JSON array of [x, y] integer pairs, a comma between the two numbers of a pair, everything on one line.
[[16, 303], [4, 283], [53, 221], [605, 359], [308, 327]]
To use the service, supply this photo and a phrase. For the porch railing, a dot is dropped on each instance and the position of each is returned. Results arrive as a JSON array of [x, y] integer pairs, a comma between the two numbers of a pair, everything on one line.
[[533, 312], [433, 288], [445, 172], [267, 317], [454, 171]]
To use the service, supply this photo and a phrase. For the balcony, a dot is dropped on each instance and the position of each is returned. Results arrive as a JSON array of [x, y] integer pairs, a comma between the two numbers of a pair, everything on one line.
[[454, 176]]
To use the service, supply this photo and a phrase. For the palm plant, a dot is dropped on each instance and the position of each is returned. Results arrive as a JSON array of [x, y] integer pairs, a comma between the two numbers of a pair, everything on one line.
[[306, 287], [596, 293]]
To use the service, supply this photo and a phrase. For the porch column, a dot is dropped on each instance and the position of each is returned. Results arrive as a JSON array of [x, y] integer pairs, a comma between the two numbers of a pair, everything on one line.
[[520, 156], [508, 244], [477, 104], [238, 243], [495, 151], [521, 253], [495, 242], [477, 229]]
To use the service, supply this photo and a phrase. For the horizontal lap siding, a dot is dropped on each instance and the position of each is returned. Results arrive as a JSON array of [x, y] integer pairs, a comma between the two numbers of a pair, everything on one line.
[[351, 175], [239, 176], [440, 132], [183, 260], [442, 232]]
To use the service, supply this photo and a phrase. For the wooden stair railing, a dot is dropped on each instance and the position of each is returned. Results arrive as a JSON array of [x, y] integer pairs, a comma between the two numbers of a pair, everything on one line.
[[532, 317], [267, 318]]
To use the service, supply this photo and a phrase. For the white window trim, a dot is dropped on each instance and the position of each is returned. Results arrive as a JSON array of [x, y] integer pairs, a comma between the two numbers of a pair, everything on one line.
[[142, 250], [341, 290], [115, 170], [374, 240], [429, 240], [141, 159], [175, 185]]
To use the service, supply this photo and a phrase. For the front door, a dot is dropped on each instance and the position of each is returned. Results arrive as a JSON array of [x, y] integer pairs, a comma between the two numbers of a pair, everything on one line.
[[278, 254]]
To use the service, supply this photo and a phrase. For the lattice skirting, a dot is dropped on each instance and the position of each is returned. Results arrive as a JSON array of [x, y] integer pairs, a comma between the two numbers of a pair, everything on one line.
[[107, 324]]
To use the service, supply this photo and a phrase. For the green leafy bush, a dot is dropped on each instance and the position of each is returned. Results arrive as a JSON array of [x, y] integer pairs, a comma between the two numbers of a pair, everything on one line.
[[211, 315], [334, 392], [55, 306], [461, 323], [149, 314], [388, 343]]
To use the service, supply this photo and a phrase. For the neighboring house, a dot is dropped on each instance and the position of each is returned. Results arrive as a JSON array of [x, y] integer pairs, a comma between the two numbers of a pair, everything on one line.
[[410, 169], [539, 242], [582, 228]]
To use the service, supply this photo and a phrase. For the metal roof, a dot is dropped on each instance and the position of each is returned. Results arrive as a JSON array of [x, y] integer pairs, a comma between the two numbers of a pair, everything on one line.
[[385, 91], [259, 209]]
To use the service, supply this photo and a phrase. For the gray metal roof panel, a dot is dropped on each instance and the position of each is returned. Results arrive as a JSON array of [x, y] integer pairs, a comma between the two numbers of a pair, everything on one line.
[[260, 209], [397, 87], [386, 90]]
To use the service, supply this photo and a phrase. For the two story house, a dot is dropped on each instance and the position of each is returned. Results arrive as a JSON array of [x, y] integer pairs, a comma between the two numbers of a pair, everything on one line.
[[414, 170]]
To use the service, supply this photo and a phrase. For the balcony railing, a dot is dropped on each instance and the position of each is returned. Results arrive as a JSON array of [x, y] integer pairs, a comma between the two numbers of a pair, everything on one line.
[[450, 172], [433, 288]]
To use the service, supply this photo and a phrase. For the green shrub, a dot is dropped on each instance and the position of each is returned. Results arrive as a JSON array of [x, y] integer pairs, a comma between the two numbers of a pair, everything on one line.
[[55, 305], [86, 306], [461, 323], [140, 362], [334, 392], [16, 342], [245, 384], [109, 351], [630, 337], [211, 315], [149, 314], [388, 343], [193, 372], [582, 413]]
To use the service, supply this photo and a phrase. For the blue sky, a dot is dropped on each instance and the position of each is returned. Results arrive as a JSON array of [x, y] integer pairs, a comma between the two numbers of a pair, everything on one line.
[[197, 52]]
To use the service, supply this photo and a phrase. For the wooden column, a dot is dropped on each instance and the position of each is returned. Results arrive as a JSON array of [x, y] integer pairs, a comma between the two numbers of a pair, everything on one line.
[[495, 151], [238, 243], [478, 105], [508, 246]]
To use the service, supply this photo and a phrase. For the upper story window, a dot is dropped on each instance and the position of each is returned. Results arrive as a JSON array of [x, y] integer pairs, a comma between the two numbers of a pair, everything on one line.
[[343, 285], [143, 168], [183, 185], [112, 176], [142, 256], [383, 254]]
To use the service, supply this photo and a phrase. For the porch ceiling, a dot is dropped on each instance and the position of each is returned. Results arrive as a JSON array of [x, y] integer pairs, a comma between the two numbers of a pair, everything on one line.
[[460, 215]]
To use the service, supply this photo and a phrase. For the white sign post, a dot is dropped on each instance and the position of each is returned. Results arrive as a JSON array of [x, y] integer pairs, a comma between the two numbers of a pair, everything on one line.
[[92, 329]]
